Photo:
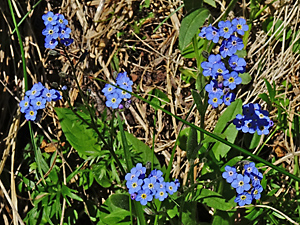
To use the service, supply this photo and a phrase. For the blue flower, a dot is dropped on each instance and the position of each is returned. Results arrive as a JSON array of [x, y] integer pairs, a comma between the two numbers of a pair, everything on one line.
[[248, 110], [239, 121], [249, 168], [35, 91], [123, 94], [150, 184], [64, 33], [49, 18], [234, 43], [134, 173], [24, 104], [38, 103], [49, 95], [215, 99], [139, 167], [61, 21], [161, 194], [240, 25], [261, 129], [113, 100], [157, 174], [203, 32], [232, 79], [262, 114], [241, 183], [144, 196], [51, 32], [243, 199], [171, 187], [133, 196], [230, 174], [255, 192], [207, 68], [224, 50], [58, 96], [225, 29], [212, 34], [123, 80], [228, 98], [108, 89], [30, 113], [256, 176], [177, 183], [212, 88], [219, 69], [236, 63], [67, 41], [134, 185], [50, 43], [249, 126]]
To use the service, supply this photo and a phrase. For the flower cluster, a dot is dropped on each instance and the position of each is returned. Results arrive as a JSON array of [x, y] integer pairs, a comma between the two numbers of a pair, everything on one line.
[[36, 99], [143, 189], [246, 192], [253, 119], [115, 95], [224, 68], [56, 27]]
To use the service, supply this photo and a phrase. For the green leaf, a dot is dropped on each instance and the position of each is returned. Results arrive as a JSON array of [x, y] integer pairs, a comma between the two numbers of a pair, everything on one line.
[[214, 200], [189, 213], [211, 3], [192, 145], [246, 78], [255, 141], [232, 162], [187, 75], [141, 149], [69, 192], [266, 98], [219, 149], [271, 91], [81, 136], [189, 51], [191, 6], [241, 53], [101, 176], [221, 218], [190, 25]]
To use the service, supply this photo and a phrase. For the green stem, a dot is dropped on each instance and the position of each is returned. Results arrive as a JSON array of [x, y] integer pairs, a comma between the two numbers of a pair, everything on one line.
[[153, 142], [24, 17], [25, 85], [93, 125]]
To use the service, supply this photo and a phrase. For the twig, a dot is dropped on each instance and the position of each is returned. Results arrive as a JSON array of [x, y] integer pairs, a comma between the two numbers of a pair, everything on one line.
[[11, 204]]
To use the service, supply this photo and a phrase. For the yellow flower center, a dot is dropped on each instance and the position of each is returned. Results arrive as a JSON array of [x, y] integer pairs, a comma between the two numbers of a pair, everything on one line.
[[48, 95], [134, 185], [225, 29], [26, 104], [144, 196], [255, 192], [161, 193], [220, 71], [241, 183], [215, 100], [60, 21], [31, 113], [243, 197], [239, 26], [113, 100], [150, 185], [50, 19], [50, 31], [38, 103], [171, 188], [231, 79]]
